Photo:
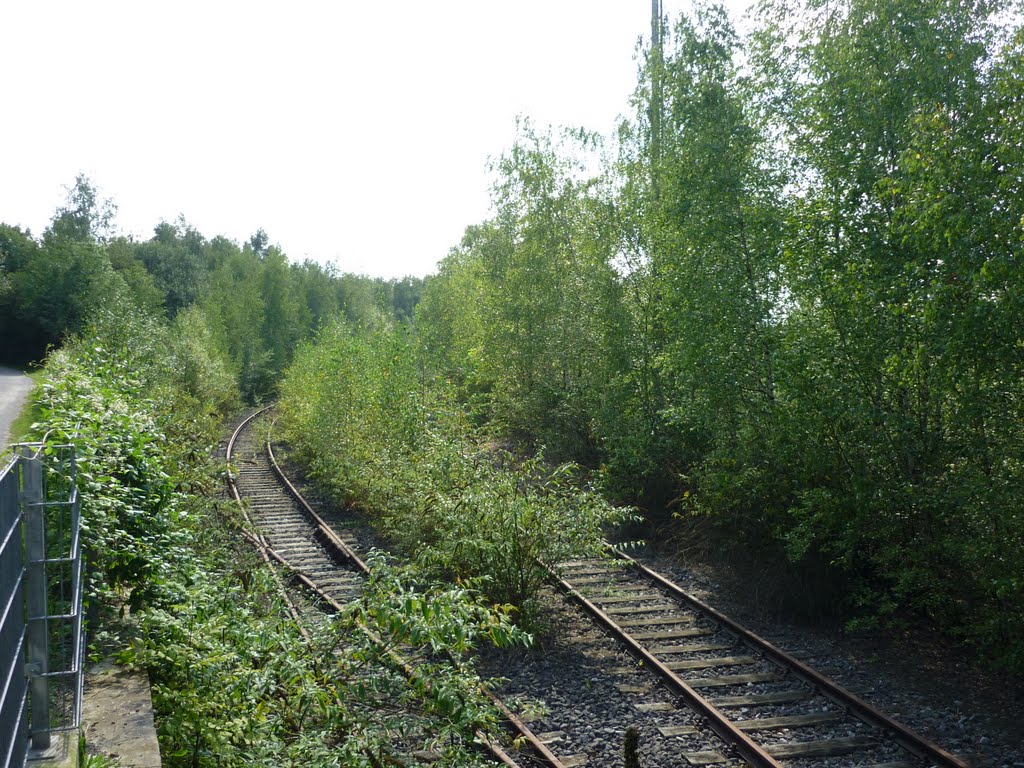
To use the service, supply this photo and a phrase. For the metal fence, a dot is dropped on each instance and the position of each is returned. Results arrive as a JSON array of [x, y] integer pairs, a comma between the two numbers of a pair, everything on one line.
[[41, 648]]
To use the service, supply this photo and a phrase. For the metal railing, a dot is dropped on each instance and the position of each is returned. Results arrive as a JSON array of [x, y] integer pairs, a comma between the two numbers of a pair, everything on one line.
[[41, 648]]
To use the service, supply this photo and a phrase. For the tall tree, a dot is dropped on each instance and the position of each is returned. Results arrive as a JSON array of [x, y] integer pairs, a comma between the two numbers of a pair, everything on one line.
[[69, 274], [540, 294], [174, 256]]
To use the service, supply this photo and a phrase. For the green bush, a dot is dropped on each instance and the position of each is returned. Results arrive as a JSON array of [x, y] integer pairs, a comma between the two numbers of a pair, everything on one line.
[[377, 432], [117, 394], [236, 684]]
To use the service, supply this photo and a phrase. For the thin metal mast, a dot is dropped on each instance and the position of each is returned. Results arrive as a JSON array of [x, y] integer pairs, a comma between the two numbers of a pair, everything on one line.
[[656, 69]]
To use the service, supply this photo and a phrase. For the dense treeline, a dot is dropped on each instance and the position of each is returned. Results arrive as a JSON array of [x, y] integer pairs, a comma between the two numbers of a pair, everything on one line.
[[245, 304], [787, 298]]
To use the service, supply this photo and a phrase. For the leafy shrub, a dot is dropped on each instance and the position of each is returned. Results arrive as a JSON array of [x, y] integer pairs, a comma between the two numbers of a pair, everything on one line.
[[237, 685], [116, 394], [357, 409]]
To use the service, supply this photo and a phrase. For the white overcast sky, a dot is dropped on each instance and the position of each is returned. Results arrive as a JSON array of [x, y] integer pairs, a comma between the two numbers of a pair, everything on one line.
[[352, 132]]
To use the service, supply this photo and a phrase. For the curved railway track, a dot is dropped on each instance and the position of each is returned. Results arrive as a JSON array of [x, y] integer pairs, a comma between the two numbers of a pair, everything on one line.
[[736, 698], [290, 534]]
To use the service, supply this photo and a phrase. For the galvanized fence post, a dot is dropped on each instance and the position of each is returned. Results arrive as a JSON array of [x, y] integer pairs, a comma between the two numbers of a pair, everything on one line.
[[13, 683], [36, 596]]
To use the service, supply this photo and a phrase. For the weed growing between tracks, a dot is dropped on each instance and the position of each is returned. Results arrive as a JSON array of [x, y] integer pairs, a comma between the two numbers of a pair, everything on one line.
[[234, 682]]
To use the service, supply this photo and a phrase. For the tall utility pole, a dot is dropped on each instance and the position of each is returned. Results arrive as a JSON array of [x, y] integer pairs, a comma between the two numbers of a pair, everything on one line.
[[651, 380], [656, 66]]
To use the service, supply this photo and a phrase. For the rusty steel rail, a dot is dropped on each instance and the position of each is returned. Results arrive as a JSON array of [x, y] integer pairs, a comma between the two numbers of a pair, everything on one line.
[[715, 718], [331, 541], [859, 708], [336, 546], [267, 553], [718, 722]]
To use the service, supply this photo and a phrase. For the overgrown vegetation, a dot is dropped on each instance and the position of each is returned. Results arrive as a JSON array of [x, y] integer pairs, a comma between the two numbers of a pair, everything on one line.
[[238, 684], [359, 412], [786, 299], [234, 681], [173, 586]]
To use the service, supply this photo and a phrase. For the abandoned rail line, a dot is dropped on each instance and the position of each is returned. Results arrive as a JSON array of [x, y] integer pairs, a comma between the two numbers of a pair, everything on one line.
[[698, 688], [298, 544]]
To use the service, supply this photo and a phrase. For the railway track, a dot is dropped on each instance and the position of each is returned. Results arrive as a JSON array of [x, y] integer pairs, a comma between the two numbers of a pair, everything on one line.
[[700, 691], [770, 708], [289, 531], [290, 534]]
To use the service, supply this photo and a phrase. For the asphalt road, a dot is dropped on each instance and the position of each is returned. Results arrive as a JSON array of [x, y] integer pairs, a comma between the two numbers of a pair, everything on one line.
[[14, 388]]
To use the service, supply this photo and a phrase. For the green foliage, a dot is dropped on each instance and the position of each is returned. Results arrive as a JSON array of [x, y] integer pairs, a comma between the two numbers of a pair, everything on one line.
[[17, 248], [140, 283], [400, 296], [56, 290], [492, 516], [392, 674], [234, 681], [791, 304], [256, 305], [115, 394], [175, 260], [357, 410], [525, 314], [885, 354], [895, 361], [205, 372], [49, 288], [84, 215]]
